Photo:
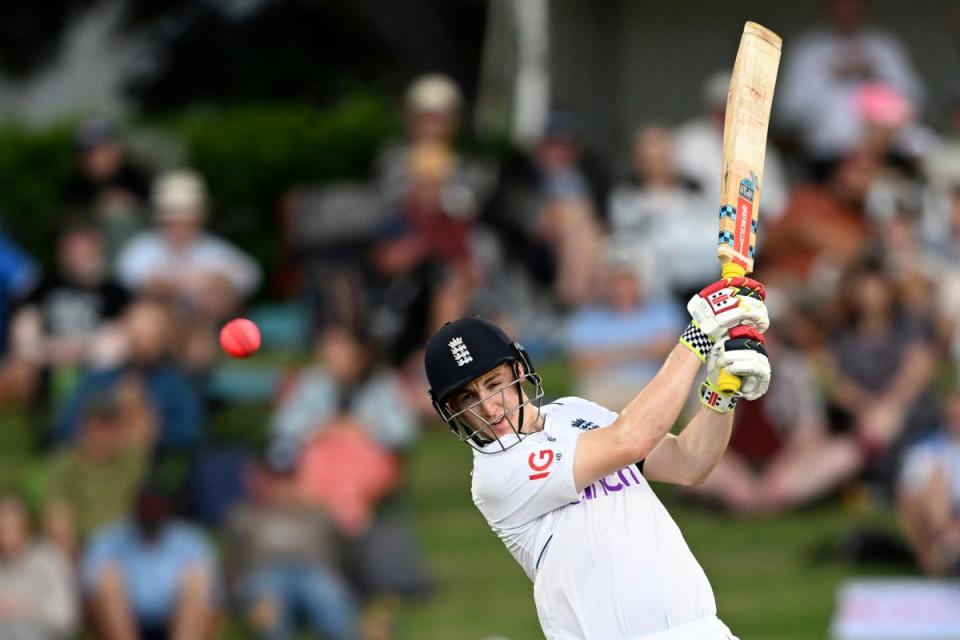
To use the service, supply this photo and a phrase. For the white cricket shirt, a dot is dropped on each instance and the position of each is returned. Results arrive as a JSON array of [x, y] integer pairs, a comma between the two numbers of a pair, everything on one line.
[[608, 563]]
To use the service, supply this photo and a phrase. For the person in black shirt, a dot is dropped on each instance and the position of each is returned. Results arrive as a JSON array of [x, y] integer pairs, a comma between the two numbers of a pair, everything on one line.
[[66, 321]]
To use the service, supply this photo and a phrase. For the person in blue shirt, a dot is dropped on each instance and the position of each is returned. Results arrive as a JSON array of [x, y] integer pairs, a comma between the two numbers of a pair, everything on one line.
[[176, 401], [151, 576], [619, 342]]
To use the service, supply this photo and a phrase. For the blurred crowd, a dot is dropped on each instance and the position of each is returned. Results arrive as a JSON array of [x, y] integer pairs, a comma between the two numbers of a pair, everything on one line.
[[110, 351]]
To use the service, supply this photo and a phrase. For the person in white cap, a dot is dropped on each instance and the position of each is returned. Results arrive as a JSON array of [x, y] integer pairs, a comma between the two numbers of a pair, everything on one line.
[[204, 275], [432, 107], [201, 271]]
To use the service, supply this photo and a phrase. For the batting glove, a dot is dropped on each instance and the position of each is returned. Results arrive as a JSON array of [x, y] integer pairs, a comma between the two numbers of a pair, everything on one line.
[[743, 355], [727, 303]]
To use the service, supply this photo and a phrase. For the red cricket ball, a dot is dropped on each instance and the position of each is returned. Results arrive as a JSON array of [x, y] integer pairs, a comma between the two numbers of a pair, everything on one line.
[[240, 338]]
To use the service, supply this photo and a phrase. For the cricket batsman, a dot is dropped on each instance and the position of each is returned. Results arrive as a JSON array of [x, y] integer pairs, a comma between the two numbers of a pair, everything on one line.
[[565, 485]]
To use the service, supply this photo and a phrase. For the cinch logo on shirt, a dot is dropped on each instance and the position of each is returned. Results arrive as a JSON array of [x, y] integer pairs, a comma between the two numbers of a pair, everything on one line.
[[586, 425], [460, 352], [612, 483]]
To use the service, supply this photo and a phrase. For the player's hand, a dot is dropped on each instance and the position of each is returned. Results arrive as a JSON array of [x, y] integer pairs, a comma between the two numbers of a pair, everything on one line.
[[744, 355], [727, 303]]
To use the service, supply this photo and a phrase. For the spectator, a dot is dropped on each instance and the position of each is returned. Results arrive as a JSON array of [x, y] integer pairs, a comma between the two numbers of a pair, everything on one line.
[[782, 452], [656, 216], [18, 273], [822, 72], [424, 263], [341, 447], [205, 275], [698, 151], [939, 231], [928, 501], [149, 328], [94, 481], [548, 211], [433, 104], [107, 184], [618, 344], [37, 596], [68, 320], [346, 373], [201, 271], [823, 230], [879, 369], [150, 576], [277, 578]]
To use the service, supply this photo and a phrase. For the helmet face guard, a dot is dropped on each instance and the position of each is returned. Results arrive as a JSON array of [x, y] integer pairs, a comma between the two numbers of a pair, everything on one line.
[[480, 437], [463, 351]]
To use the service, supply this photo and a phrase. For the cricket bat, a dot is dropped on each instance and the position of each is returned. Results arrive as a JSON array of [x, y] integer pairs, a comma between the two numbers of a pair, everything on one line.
[[744, 144]]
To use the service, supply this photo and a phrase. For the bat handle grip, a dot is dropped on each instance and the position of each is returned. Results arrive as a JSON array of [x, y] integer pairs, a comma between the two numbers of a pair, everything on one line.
[[732, 270], [727, 382]]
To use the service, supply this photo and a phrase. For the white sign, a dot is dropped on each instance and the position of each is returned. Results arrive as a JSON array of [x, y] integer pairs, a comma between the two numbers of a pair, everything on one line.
[[897, 609]]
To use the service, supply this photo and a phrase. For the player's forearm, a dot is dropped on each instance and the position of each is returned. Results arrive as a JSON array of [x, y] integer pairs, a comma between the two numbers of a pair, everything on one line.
[[703, 441], [653, 411]]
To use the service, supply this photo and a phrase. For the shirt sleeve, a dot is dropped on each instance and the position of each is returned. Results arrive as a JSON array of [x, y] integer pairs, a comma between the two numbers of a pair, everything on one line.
[[525, 482]]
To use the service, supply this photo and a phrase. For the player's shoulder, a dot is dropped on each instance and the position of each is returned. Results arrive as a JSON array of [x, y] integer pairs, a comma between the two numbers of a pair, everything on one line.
[[579, 412]]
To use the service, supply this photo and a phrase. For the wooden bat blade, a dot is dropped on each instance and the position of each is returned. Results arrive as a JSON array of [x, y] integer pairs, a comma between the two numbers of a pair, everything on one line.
[[747, 119]]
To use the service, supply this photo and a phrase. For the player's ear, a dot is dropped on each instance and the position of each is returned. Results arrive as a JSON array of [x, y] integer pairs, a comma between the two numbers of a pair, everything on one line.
[[519, 369]]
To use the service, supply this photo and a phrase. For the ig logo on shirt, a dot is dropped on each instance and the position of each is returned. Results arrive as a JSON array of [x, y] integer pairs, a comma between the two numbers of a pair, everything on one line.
[[539, 463]]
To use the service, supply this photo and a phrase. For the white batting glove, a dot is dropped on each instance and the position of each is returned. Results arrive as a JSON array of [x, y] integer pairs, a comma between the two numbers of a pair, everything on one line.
[[727, 303], [743, 355]]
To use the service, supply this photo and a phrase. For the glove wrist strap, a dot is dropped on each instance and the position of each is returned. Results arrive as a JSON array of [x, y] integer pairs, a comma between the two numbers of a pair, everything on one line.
[[711, 397], [697, 341]]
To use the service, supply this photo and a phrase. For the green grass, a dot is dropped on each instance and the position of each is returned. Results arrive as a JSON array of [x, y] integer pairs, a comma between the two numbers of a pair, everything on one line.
[[768, 584]]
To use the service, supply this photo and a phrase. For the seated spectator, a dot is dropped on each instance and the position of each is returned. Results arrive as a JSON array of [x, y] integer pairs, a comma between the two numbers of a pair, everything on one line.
[[386, 563], [68, 320], [823, 230], [107, 184], [149, 330], [928, 500], [782, 452], [18, 274], [205, 275], [353, 413], [618, 344], [341, 448], [423, 264], [879, 369], [822, 71], [94, 481], [548, 211], [432, 118], [346, 372], [280, 578], [656, 216], [37, 595], [151, 576]]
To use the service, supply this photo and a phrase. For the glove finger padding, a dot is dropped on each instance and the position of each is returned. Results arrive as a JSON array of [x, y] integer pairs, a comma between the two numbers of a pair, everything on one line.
[[745, 356], [727, 303]]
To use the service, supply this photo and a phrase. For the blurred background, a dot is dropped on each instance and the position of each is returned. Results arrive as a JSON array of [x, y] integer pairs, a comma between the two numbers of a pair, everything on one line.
[[350, 175]]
